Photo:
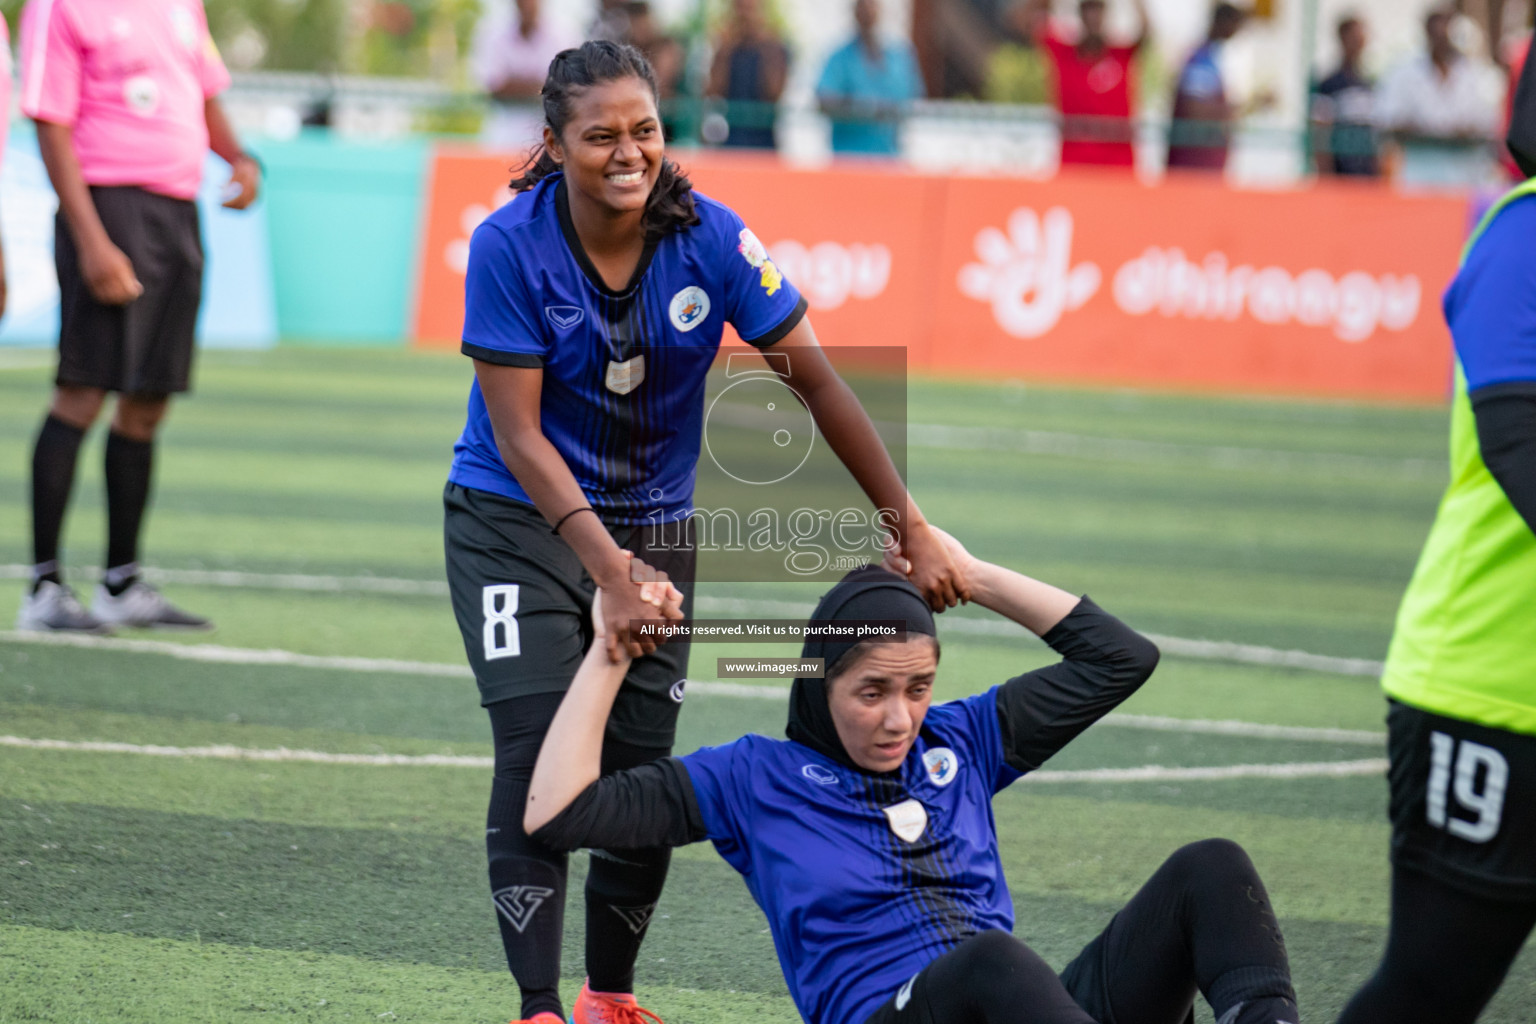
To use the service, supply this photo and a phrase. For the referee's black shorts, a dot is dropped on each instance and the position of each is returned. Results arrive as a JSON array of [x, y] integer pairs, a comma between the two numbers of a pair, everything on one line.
[[145, 347], [523, 602]]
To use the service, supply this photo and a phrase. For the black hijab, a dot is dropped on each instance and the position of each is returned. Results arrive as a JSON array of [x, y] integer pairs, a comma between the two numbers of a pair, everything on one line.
[[1522, 123], [867, 593]]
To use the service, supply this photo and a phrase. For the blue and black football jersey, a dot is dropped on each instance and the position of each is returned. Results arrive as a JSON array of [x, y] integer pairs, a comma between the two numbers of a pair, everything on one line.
[[624, 371], [864, 879]]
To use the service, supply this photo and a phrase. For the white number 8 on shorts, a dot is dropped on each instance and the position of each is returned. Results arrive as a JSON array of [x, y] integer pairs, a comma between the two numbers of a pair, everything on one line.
[[499, 600]]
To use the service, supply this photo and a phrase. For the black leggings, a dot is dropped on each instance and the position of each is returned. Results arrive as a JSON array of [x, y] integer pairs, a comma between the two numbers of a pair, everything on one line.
[[1447, 953], [528, 879], [1201, 923]]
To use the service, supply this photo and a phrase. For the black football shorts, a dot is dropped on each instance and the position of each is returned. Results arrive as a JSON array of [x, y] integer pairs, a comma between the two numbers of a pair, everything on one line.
[[1463, 803], [145, 347], [523, 602]]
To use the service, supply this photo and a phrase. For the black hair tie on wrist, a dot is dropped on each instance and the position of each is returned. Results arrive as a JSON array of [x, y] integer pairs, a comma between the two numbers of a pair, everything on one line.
[[584, 508]]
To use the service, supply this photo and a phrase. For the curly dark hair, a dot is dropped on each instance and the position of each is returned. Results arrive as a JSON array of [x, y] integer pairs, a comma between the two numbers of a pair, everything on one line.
[[670, 205]]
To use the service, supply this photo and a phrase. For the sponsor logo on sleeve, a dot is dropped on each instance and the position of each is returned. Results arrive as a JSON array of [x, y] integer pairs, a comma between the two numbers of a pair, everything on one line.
[[942, 765], [185, 28], [754, 252]]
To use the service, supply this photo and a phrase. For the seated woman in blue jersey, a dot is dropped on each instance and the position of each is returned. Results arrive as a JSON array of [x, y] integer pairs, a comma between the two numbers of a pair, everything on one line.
[[595, 301], [867, 837]]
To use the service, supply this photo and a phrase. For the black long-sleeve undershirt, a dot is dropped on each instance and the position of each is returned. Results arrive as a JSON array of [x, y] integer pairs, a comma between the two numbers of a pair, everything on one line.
[[1506, 436], [1104, 661]]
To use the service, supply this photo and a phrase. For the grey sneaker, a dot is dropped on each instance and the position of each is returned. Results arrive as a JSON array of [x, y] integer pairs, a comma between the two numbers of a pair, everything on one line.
[[141, 606], [54, 608]]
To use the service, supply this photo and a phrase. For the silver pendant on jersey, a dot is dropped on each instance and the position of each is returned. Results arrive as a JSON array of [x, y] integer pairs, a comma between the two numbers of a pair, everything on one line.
[[626, 376], [908, 820]]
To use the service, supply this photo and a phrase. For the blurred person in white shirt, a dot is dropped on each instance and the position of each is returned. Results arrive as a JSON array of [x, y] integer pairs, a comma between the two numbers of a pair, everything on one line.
[[1441, 109], [514, 43]]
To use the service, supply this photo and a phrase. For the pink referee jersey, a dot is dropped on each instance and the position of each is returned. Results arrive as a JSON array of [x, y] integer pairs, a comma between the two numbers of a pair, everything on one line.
[[130, 77]]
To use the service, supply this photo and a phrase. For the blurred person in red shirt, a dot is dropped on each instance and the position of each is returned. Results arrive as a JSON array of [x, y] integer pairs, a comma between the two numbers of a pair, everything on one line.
[[1093, 87]]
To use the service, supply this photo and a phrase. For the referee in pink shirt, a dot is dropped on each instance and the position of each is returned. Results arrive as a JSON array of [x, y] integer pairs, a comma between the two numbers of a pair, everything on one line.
[[123, 93]]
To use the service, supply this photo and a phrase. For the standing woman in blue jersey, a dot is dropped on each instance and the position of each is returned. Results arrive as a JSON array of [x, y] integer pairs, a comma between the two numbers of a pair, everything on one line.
[[594, 305], [868, 840]]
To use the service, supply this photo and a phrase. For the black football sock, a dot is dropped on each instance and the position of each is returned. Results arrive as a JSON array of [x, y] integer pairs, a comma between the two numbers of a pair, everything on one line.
[[129, 465], [622, 889], [528, 891], [53, 477], [528, 879]]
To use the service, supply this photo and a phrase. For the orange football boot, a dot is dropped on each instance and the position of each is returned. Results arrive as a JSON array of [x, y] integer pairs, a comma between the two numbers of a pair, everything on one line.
[[609, 1008]]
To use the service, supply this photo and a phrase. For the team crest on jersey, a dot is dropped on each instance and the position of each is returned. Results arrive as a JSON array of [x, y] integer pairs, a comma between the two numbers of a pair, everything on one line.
[[754, 252], [564, 317], [142, 95], [908, 820], [942, 765], [626, 376], [689, 308], [819, 775]]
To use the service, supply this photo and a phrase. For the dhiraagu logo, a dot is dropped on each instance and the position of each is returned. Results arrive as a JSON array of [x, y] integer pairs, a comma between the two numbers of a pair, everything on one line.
[[689, 308], [1027, 274]]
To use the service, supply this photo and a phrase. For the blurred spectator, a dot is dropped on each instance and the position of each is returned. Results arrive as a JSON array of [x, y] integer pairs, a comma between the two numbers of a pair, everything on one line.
[[665, 53], [1518, 53], [1201, 133], [866, 86], [1441, 109], [1093, 88], [1343, 110], [511, 56], [1018, 71], [749, 70], [633, 22]]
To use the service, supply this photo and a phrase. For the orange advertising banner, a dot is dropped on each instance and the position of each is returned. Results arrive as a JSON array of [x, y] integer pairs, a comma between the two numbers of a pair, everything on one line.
[[1327, 291]]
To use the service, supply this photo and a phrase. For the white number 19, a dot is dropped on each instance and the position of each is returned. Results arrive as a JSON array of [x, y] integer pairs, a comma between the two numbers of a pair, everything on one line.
[[499, 602], [1488, 804]]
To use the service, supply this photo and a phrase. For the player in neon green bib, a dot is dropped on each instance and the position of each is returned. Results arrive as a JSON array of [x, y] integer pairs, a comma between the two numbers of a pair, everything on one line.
[[1461, 671]]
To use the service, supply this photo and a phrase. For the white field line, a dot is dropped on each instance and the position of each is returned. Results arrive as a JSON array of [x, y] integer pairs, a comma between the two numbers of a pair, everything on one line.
[[270, 581], [238, 655], [223, 752], [1158, 773], [1121, 449], [1144, 773], [1179, 647], [246, 656], [1116, 449]]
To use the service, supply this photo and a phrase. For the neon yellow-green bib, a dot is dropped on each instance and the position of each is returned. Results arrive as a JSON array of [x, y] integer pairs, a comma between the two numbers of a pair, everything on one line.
[[1465, 642]]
